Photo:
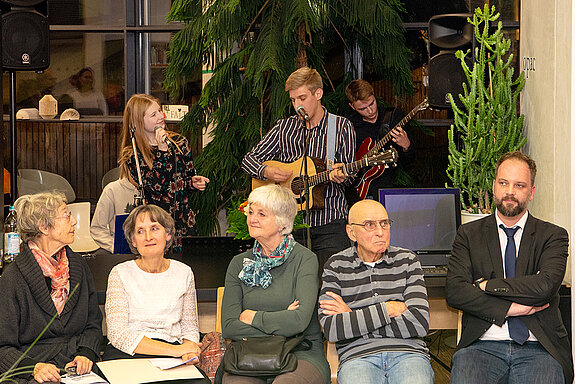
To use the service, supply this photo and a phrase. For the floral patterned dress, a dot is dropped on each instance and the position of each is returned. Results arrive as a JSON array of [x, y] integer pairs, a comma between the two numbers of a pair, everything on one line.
[[169, 186]]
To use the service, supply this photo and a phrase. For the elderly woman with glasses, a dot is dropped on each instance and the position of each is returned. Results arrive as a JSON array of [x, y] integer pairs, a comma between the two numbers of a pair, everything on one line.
[[48, 280], [272, 289]]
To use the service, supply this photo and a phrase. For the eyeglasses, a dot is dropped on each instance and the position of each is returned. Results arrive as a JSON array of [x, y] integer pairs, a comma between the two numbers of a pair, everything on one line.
[[371, 225], [65, 216]]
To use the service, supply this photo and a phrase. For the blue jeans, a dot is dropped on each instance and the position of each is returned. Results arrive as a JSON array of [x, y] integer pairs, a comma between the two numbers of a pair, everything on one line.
[[505, 362], [388, 368]]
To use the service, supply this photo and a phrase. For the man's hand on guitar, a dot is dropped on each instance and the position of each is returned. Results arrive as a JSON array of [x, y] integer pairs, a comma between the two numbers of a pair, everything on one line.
[[277, 174], [400, 137], [337, 175]]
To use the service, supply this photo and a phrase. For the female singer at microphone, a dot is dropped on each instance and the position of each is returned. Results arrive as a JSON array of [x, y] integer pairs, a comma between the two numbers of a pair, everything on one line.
[[168, 173]]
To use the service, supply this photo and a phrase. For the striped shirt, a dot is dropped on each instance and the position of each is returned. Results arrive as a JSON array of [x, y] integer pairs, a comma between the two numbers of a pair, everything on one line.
[[285, 143], [368, 328]]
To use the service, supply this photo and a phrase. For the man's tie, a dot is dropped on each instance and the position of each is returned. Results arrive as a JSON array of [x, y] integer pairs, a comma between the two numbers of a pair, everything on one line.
[[517, 329]]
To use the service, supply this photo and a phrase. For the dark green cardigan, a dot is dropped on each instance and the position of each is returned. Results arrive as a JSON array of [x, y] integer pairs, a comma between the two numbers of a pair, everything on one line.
[[296, 278]]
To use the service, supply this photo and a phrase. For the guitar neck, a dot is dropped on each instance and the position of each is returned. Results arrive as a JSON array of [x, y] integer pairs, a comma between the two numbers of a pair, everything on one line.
[[323, 177], [377, 147]]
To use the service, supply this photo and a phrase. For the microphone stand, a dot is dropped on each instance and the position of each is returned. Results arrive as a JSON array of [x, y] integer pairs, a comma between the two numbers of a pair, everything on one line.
[[306, 191], [139, 196]]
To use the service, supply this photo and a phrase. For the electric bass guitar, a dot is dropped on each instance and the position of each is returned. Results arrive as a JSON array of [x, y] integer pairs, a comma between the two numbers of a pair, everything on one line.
[[369, 148], [319, 175]]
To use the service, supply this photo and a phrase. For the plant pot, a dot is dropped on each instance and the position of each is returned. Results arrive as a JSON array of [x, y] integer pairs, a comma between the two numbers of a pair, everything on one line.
[[467, 217]]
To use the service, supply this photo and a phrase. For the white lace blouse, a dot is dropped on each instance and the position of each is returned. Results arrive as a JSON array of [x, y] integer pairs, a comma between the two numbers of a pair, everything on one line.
[[155, 305]]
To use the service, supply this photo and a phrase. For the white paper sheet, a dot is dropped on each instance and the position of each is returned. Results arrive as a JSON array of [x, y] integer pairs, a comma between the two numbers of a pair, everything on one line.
[[88, 378], [169, 362], [139, 371]]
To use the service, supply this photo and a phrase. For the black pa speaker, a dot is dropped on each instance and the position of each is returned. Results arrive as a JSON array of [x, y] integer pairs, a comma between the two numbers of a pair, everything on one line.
[[25, 35], [447, 34]]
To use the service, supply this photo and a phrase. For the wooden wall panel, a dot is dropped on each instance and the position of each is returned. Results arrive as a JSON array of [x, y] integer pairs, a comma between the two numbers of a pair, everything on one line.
[[81, 152]]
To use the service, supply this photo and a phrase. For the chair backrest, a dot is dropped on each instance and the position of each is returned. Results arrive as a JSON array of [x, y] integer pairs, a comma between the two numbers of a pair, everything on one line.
[[32, 181], [83, 241], [219, 299], [112, 175], [81, 211]]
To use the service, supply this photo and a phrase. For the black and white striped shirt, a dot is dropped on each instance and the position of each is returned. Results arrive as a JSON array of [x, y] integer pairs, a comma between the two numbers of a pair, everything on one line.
[[368, 328], [285, 143]]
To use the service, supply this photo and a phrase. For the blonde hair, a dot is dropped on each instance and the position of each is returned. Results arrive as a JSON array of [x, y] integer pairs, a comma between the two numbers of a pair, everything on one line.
[[280, 201], [35, 211], [358, 90], [134, 114], [304, 76]]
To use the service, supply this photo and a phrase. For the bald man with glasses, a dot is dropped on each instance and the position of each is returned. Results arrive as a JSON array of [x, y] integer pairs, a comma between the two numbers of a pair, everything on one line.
[[373, 305]]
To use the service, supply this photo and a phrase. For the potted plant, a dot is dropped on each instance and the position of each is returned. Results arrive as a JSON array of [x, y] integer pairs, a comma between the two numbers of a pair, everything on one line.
[[488, 125]]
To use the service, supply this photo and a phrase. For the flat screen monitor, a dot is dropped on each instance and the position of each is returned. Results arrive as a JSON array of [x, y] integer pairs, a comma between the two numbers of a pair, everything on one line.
[[425, 220]]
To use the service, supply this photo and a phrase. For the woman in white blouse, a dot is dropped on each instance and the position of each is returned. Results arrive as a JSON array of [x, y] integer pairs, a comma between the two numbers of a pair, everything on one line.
[[151, 301]]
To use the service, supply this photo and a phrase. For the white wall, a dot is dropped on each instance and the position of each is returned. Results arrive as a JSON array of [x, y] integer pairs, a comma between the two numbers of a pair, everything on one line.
[[548, 37], [546, 102]]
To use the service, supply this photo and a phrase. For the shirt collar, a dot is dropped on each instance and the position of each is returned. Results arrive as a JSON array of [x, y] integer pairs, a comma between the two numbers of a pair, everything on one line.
[[520, 223]]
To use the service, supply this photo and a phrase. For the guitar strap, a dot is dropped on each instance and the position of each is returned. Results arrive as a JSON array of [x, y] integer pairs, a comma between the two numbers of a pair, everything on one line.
[[330, 155], [386, 123]]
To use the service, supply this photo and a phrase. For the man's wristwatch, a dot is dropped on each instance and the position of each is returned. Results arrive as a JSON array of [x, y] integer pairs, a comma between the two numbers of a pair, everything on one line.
[[479, 281]]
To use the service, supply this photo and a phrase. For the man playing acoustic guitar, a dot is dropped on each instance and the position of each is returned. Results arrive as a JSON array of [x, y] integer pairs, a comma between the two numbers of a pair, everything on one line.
[[372, 123], [285, 142]]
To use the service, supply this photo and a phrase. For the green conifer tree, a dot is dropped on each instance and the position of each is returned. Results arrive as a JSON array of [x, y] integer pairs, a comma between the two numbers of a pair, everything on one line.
[[253, 46]]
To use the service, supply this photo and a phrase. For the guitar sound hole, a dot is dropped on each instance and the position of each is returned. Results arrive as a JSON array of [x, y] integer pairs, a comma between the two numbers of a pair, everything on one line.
[[297, 186]]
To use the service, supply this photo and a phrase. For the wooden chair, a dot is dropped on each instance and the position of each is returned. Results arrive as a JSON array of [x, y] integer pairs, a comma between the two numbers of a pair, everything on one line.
[[219, 299]]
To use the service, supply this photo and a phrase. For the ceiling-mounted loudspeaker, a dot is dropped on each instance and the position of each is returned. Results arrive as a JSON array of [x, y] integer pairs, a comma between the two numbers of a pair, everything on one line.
[[25, 35], [450, 31]]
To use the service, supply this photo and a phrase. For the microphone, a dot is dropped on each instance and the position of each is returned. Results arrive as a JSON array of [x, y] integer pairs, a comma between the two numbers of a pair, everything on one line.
[[165, 137], [301, 111]]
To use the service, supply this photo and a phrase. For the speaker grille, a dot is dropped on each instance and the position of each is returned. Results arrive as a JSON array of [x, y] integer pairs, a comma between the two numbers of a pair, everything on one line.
[[445, 76], [25, 41]]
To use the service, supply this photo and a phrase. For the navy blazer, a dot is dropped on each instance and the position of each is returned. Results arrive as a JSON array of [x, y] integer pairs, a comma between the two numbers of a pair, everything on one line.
[[540, 269]]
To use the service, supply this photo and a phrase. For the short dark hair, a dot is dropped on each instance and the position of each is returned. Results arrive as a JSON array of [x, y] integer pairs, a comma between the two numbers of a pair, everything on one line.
[[156, 214], [516, 155]]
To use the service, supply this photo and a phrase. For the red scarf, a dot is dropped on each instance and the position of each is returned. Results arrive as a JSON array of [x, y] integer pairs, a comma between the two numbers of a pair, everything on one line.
[[56, 269]]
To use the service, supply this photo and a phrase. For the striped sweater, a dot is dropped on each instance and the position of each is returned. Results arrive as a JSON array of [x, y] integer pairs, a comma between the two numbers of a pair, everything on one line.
[[368, 329]]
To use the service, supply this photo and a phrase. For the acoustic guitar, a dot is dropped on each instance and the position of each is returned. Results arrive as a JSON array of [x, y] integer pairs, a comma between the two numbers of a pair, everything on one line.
[[319, 175], [369, 148]]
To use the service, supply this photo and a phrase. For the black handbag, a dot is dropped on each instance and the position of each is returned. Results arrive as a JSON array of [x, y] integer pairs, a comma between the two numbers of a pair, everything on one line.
[[263, 356]]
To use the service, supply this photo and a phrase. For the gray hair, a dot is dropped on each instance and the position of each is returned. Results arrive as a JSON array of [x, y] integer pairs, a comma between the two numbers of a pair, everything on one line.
[[156, 214], [280, 201], [35, 211]]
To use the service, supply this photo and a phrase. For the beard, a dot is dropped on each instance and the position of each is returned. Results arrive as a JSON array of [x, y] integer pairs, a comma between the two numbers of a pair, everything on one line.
[[508, 210]]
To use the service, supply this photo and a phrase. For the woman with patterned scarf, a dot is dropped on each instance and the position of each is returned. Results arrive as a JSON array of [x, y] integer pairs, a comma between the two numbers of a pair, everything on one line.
[[272, 289], [48, 279]]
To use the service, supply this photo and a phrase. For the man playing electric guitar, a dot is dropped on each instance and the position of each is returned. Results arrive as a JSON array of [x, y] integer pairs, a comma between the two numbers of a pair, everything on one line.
[[285, 142], [373, 122]]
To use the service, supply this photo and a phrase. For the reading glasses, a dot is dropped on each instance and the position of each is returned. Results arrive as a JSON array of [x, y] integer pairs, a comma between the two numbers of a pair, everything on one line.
[[371, 225]]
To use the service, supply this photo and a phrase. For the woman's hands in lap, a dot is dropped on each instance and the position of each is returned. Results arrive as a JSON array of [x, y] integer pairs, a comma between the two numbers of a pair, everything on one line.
[[82, 363], [44, 372], [188, 350]]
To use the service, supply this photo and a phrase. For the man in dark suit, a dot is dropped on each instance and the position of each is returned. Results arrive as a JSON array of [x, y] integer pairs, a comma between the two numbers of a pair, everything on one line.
[[504, 274]]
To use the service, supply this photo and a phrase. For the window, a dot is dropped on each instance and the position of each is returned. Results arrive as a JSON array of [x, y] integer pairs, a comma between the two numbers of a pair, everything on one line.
[[119, 47]]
